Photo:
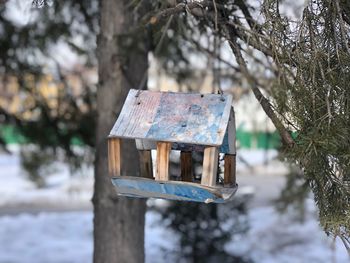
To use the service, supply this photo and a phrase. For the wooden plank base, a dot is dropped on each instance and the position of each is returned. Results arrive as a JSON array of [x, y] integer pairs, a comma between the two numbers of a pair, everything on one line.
[[174, 190]]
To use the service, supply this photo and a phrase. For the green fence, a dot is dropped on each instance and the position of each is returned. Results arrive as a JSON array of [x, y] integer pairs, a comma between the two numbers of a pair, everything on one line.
[[260, 140], [11, 135]]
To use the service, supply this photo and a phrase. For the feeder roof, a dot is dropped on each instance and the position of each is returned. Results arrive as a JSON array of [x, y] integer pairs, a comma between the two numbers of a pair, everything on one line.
[[174, 117]]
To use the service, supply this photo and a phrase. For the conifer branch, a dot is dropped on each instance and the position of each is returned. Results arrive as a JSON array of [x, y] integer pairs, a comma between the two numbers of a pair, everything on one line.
[[265, 104]]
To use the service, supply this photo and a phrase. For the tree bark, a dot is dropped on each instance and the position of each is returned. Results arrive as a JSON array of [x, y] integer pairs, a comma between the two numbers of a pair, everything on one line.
[[122, 59]]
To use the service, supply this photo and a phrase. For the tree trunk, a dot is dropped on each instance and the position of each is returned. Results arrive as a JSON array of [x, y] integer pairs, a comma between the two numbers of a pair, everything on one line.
[[122, 58]]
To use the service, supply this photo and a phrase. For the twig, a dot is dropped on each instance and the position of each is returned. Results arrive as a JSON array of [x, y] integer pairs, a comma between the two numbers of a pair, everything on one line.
[[231, 37], [252, 23], [179, 8], [346, 244], [216, 16], [342, 29], [210, 53]]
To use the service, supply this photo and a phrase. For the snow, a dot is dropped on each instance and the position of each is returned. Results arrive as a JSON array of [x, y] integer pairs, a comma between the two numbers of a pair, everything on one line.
[[47, 237], [67, 236], [61, 187], [20, 12], [281, 238]]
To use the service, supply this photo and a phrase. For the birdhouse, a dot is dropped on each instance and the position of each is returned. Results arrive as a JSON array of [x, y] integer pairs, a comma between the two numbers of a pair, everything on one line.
[[166, 121]]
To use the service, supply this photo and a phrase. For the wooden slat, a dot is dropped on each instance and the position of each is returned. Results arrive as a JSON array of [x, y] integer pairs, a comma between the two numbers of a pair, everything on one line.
[[210, 166], [230, 170], [228, 145], [174, 117], [186, 166], [114, 156], [146, 168], [137, 115], [175, 190], [163, 154], [142, 144]]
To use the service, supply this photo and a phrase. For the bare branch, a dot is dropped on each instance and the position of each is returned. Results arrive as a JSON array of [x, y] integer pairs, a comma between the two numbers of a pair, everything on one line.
[[179, 8], [265, 104], [231, 36], [210, 53], [252, 23]]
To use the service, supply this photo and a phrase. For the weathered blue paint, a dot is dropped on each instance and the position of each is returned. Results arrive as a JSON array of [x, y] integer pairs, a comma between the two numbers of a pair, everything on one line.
[[174, 117], [225, 147], [177, 119], [171, 190]]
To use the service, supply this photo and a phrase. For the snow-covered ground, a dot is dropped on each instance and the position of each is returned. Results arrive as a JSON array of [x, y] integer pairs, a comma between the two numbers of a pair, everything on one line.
[[61, 189], [282, 239], [67, 236]]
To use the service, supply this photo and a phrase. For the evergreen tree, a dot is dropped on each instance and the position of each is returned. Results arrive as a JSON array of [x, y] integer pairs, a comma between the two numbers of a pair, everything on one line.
[[27, 55], [204, 229], [303, 88]]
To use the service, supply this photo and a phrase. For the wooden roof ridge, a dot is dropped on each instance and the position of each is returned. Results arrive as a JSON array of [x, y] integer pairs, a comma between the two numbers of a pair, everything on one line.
[[191, 118]]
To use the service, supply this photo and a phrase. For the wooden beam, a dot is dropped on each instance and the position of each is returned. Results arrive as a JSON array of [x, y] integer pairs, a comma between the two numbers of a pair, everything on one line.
[[144, 144], [146, 168], [114, 156], [163, 154], [186, 166], [230, 169], [210, 166]]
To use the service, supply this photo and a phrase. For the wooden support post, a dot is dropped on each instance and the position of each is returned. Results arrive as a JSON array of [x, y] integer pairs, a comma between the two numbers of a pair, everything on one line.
[[210, 166], [146, 168], [186, 166], [114, 156], [230, 169], [163, 154]]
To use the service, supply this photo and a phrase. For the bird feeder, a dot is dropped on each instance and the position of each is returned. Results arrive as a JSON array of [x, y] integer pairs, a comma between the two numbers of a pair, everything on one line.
[[166, 121]]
